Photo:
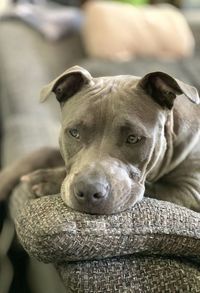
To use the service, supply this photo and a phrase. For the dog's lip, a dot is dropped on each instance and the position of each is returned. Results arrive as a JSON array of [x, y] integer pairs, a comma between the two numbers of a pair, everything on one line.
[[91, 212], [105, 207], [102, 209], [95, 210]]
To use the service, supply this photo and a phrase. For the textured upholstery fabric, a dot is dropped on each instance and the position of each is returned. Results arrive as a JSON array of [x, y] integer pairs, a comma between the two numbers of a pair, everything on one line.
[[158, 244], [132, 275]]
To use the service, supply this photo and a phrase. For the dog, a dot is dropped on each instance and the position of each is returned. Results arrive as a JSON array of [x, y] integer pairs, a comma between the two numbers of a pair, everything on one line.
[[121, 138]]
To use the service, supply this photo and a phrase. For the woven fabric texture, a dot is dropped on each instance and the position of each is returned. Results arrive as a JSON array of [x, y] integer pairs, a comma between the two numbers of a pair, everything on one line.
[[131, 274], [158, 244]]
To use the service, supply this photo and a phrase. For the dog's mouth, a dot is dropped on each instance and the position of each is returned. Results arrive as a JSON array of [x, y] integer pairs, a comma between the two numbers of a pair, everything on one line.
[[115, 201]]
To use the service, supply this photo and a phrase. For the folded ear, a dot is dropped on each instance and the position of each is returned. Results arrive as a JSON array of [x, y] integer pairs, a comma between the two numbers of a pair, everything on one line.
[[67, 84], [163, 89]]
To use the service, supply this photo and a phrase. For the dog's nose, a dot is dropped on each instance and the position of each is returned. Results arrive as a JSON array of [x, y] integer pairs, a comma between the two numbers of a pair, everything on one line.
[[86, 191]]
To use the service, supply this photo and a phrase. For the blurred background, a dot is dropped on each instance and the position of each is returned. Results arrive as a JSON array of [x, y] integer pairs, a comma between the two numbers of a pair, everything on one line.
[[39, 39]]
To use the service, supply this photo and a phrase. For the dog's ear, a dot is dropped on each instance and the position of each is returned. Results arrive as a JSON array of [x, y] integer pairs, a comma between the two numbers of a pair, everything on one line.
[[163, 89], [67, 84]]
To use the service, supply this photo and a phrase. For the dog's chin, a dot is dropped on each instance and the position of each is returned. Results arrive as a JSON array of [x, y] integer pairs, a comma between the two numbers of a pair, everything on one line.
[[91, 210], [105, 208]]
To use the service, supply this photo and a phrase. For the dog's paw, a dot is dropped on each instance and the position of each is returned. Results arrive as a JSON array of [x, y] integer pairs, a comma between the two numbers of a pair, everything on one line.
[[45, 188], [45, 181]]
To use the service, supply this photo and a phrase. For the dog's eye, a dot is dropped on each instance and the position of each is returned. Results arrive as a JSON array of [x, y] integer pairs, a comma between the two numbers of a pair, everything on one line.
[[75, 133], [132, 139]]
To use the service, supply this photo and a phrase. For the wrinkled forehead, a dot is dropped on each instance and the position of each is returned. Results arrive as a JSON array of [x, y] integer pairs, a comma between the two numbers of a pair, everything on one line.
[[111, 99]]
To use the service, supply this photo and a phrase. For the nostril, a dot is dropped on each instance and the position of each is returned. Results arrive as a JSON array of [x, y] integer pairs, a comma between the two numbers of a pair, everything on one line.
[[98, 195], [79, 194]]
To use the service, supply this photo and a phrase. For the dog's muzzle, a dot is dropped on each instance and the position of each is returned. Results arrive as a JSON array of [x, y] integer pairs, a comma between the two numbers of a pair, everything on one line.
[[104, 188]]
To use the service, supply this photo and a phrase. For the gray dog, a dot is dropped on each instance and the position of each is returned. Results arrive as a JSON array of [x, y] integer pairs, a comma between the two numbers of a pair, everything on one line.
[[121, 137]]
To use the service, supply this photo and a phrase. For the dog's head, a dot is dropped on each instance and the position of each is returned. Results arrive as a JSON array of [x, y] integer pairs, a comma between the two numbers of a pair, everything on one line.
[[112, 135]]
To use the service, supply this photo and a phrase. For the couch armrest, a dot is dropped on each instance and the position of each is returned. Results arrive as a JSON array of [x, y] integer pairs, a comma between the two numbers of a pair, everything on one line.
[[153, 245], [52, 232]]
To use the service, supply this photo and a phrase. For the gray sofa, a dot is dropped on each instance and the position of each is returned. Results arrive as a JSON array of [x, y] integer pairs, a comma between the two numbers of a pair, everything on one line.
[[153, 247]]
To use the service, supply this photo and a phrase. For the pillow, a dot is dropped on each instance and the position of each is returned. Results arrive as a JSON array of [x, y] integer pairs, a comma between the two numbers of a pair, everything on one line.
[[120, 31]]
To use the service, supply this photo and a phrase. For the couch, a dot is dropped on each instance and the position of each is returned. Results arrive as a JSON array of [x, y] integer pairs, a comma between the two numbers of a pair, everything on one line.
[[153, 247]]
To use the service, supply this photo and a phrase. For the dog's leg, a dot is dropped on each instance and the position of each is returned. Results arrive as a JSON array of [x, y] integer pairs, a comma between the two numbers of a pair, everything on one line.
[[182, 194], [42, 158]]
